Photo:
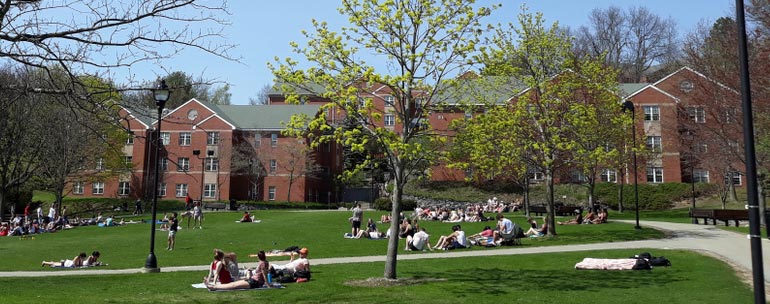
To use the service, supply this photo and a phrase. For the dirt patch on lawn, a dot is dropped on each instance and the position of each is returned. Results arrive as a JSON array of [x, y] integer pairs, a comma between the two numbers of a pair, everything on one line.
[[383, 282]]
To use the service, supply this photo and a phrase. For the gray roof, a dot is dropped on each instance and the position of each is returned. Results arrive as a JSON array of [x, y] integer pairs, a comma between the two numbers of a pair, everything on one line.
[[307, 89], [629, 88], [480, 90], [262, 117]]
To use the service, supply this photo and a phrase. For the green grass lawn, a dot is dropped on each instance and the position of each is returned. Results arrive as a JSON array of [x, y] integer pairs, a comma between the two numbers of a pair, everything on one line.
[[128, 246], [533, 278]]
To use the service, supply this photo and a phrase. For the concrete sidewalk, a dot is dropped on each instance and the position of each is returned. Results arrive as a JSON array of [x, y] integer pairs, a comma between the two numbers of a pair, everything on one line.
[[728, 246]]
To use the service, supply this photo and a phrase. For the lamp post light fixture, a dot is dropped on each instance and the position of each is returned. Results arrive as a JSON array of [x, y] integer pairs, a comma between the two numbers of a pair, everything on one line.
[[629, 106], [160, 94]]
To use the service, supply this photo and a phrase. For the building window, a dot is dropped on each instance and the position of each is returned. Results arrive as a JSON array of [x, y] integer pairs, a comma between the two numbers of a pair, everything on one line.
[[130, 139], [609, 176], [162, 190], [273, 166], [77, 188], [537, 176], [97, 188], [100, 163], [734, 177], [390, 100], [701, 148], [697, 114], [271, 193], [327, 146], [212, 164], [182, 164], [165, 138], [164, 164], [257, 140], [361, 103], [468, 114], [654, 144], [700, 176], [654, 175], [731, 115], [390, 120], [212, 138], [185, 138], [651, 113], [210, 190], [128, 160], [181, 190], [274, 140], [124, 188]]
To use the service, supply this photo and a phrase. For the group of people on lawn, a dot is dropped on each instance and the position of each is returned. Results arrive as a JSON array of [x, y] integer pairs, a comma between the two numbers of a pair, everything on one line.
[[225, 274]]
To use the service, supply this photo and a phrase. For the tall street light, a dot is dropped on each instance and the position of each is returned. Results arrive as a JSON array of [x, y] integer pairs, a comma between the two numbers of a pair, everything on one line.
[[629, 106], [161, 94]]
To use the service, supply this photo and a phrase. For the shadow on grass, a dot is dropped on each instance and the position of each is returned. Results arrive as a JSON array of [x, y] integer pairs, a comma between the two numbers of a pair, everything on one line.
[[497, 280]]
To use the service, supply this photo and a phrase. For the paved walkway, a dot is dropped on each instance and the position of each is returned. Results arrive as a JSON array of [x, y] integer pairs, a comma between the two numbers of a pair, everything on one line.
[[729, 246]]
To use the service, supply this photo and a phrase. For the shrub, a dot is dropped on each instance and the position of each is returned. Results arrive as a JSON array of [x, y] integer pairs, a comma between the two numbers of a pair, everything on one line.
[[384, 203]]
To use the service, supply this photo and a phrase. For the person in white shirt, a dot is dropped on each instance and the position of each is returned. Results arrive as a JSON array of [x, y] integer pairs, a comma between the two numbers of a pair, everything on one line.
[[504, 226], [419, 241], [300, 263], [52, 212], [455, 240]]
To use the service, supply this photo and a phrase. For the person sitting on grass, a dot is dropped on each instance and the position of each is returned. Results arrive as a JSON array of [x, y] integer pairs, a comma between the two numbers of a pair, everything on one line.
[[538, 232], [483, 238], [575, 221], [246, 217], [77, 261], [419, 241], [590, 218], [454, 240], [602, 218], [504, 227], [218, 272], [295, 265], [256, 280]]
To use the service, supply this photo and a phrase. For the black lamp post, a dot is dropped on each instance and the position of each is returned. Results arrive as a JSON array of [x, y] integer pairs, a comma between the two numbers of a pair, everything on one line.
[[161, 95], [691, 157], [629, 106]]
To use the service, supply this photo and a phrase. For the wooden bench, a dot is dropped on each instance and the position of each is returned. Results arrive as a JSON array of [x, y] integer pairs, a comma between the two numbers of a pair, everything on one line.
[[215, 206], [560, 210], [724, 215]]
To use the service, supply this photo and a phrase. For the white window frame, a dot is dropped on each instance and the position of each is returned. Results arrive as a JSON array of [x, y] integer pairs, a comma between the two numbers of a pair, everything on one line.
[[651, 112], [389, 120], [130, 139], [273, 166], [273, 140], [78, 188], [654, 175], [210, 190], [165, 138], [212, 138], [181, 190], [390, 100], [97, 188], [185, 139], [162, 190], [212, 163], [700, 176], [183, 164], [609, 176], [128, 160], [124, 188], [655, 144], [164, 164], [271, 193], [100, 163], [697, 114], [735, 177], [257, 140]]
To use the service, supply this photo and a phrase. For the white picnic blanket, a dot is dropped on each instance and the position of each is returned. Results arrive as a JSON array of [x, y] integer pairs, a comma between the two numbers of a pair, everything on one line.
[[606, 264]]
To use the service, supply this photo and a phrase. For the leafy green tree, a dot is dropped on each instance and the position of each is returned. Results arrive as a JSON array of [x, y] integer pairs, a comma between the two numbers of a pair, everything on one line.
[[419, 43], [558, 122]]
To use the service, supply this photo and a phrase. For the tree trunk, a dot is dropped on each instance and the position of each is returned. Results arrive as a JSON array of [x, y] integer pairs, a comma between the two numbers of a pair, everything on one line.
[[395, 198], [731, 189], [550, 206], [526, 196], [288, 193], [2, 202], [591, 188]]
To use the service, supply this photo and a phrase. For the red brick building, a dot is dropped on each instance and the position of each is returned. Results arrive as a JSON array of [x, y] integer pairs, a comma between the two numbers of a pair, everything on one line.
[[221, 152]]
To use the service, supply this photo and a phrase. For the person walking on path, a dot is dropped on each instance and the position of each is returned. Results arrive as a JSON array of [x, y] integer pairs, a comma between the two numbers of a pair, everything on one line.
[[138, 207]]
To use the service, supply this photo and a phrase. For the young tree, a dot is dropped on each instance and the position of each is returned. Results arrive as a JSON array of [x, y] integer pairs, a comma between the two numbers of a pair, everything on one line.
[[297, 160], [569, 113], [419, 43], [262, 96]]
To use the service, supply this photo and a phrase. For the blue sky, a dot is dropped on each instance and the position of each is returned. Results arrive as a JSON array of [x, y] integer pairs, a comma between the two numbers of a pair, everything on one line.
[[263, 29]]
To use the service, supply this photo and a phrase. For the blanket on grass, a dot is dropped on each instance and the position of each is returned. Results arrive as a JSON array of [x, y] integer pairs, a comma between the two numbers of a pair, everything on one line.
[[81, 267], [607, 264], [274, 285], [253, 221]]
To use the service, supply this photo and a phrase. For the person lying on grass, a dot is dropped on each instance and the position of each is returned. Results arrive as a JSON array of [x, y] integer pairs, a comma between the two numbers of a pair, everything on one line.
[[256, 280], [77, 261]]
